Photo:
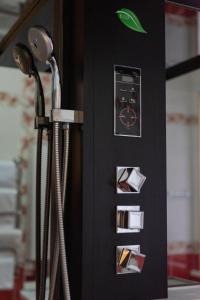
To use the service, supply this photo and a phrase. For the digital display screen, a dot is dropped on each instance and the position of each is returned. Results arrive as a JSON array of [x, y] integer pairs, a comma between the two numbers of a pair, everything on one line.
[[127, 78]]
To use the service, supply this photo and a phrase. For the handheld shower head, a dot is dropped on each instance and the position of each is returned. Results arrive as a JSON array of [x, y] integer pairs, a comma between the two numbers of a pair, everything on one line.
[[24, 60], [42, 47], [41, 44]]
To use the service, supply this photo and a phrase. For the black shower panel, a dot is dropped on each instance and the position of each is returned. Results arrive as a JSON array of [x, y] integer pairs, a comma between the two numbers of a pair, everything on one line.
[[123, 88]]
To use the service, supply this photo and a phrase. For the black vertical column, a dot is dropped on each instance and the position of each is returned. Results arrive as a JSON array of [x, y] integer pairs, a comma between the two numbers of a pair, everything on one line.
[[109, 42]]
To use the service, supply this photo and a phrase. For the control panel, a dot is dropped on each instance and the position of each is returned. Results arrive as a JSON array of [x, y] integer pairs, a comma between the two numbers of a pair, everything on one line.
[[129, 219], [127, 101]]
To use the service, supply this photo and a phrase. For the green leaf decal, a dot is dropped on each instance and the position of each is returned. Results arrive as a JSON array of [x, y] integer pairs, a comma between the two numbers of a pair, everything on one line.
[[130, 20]]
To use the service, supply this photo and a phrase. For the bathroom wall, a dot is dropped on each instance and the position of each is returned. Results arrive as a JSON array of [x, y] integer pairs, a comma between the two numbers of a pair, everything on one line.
[[182, 160], [183, 198]]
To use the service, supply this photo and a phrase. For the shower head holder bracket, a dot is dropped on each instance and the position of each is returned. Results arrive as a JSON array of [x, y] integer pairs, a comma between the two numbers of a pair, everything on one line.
[[67, 116], [41, 122]]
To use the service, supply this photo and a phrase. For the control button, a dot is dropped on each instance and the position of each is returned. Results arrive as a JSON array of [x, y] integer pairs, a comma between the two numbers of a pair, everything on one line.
[[135, 262], [129, 259], [123, 99], [135, 219], [128, 117], [136, 180], [129, 219], [129, 180]]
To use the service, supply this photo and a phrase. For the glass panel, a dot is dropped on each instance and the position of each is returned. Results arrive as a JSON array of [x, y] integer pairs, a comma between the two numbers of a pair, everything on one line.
[[17, 182], [10, 11], [181, 34], [183, 174]]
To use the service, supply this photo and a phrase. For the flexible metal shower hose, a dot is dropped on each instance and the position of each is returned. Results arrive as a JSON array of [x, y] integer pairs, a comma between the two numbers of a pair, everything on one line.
[[55, 262], [38, 209], [46, 219], [65, 162], [65, 277]]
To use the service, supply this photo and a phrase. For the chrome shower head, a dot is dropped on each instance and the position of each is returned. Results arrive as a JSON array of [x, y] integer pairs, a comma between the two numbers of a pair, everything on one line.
[[42, 47], [24, 60]]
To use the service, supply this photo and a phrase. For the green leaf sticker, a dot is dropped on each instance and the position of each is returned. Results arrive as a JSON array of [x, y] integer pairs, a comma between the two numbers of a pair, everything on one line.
[[130, 20]]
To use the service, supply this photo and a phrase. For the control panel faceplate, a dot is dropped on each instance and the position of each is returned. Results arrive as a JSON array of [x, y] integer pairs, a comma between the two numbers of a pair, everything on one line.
[[127, 101]]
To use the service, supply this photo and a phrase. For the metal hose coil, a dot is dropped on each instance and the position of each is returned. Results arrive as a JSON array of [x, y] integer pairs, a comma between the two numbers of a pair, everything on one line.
[[65, 277], [46, 220], [38, 209], [65, 163]]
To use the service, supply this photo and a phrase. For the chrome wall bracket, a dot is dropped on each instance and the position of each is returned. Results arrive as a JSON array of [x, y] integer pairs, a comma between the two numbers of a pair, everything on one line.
[[67, 116]]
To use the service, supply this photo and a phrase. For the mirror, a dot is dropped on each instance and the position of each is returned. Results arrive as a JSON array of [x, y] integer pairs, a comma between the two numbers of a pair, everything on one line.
[[17, 182]]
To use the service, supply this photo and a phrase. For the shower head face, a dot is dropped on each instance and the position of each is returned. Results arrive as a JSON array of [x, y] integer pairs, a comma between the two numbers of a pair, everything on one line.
[[41, 43], [23, 59]]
